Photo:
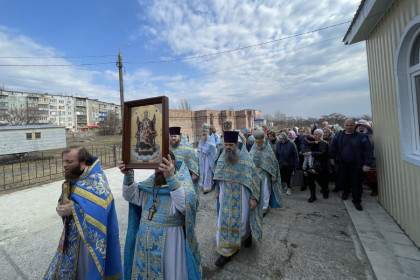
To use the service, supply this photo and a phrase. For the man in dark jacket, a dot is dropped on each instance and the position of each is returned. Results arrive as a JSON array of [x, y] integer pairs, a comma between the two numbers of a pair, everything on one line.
[[354, 154], [287, 156]]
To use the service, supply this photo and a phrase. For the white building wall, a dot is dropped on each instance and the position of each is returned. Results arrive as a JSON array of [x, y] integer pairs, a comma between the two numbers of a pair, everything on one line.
[[15, 141]]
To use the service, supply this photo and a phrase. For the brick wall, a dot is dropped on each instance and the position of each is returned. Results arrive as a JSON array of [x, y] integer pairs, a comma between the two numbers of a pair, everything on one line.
[[191, 121]]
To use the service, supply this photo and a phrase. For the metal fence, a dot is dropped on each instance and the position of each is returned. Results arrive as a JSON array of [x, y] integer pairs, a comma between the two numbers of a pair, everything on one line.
[[37, 168]]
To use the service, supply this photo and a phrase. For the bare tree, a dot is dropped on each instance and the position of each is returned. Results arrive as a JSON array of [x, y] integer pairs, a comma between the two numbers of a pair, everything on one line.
[[110, 125], [268, 117], [366, 117], [21, 116], [185, 105], [333, 118]]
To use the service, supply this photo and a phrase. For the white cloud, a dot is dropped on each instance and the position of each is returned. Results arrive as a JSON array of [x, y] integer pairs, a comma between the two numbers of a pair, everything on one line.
[[331, 75], [18, 49], [306, 75]]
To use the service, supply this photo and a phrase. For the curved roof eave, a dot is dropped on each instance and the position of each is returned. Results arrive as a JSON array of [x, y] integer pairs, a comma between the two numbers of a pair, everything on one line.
[[367, 16]]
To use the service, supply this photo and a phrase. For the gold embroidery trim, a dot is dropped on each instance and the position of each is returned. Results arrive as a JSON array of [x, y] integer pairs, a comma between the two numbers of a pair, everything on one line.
[[80, 230], [116, 276], [96, 223], [76, 259], [89, 168], [95, 199], [227, 254]]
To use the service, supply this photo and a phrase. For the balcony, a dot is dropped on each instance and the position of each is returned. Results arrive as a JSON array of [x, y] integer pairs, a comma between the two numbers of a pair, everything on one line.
[[43, 102]]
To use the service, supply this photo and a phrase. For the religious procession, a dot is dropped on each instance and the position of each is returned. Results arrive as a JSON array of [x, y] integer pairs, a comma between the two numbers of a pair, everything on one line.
[[246, 172]]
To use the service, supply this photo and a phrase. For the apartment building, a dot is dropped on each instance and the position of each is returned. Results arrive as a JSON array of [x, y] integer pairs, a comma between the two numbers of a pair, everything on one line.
[[74, 113]]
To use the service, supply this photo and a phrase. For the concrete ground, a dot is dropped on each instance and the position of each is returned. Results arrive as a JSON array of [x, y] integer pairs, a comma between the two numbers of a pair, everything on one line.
[[327, 239]]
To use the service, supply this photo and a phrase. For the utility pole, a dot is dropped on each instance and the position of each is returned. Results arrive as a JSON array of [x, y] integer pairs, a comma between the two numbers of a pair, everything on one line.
[[120, 66]]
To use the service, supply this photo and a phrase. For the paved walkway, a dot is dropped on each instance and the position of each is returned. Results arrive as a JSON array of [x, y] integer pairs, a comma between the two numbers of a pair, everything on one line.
[[391, 253], [327, 239]]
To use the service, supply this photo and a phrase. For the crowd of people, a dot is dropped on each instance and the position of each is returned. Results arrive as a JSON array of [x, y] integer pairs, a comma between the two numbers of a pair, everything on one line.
[[246, 170]]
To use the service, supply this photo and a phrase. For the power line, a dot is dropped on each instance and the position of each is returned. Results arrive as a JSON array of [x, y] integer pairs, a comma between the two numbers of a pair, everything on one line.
[[88, 56], [241, 48], [185, 58], [54, 65], [218, 71], [257, 60]]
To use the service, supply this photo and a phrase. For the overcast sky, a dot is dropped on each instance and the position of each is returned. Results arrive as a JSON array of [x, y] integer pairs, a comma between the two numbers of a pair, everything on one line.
[[273, 56]]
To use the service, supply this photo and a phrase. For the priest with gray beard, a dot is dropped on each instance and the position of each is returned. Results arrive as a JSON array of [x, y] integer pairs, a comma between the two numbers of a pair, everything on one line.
[[184, 152], [207, 158], [238, 191]]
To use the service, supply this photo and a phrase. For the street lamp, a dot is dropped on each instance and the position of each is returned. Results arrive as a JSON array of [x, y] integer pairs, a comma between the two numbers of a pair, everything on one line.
[[119, 65]]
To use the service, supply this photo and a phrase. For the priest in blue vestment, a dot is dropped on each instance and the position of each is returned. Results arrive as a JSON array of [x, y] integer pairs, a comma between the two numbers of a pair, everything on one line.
[[89, 247], [184, 151], [267, 167], [238, 191], [207, 158], [161, 242]]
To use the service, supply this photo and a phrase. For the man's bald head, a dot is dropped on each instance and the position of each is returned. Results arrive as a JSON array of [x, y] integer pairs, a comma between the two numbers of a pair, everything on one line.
[[349, 126]]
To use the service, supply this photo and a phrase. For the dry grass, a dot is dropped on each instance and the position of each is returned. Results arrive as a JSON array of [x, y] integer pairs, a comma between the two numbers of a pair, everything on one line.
[[43, 167]]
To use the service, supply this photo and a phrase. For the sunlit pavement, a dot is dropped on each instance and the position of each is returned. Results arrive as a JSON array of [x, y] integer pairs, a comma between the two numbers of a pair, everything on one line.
[[327, 239]]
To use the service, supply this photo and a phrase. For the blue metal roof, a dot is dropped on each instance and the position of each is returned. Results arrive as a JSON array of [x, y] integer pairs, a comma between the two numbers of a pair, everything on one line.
[[15, 127]]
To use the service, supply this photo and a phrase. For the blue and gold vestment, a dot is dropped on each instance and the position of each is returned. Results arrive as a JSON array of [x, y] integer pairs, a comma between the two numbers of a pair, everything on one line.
[[209, 149], [236, 175], [266, 163], [145, 241], [93, 222], [185, 152]]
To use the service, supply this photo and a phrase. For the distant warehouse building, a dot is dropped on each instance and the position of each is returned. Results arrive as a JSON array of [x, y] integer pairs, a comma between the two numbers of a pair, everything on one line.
[[391, 30]]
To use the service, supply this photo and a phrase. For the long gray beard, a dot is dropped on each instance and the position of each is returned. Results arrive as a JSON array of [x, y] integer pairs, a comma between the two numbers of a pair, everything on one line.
[[231, 156], [204, 138], [174, 145]]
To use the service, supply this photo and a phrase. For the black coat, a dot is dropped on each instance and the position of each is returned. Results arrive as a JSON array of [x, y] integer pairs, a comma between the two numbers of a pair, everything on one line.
[[287, 155], [360, 145], [320, 155]]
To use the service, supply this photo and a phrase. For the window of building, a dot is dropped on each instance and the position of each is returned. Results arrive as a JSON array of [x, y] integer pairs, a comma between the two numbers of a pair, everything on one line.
[[37, 135], [28, 136], [407, 60]]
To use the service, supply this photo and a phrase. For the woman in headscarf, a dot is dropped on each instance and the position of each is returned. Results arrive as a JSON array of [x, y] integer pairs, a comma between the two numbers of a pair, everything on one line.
[[364, 127], [291, 135], [249, 143], [265, 129]]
